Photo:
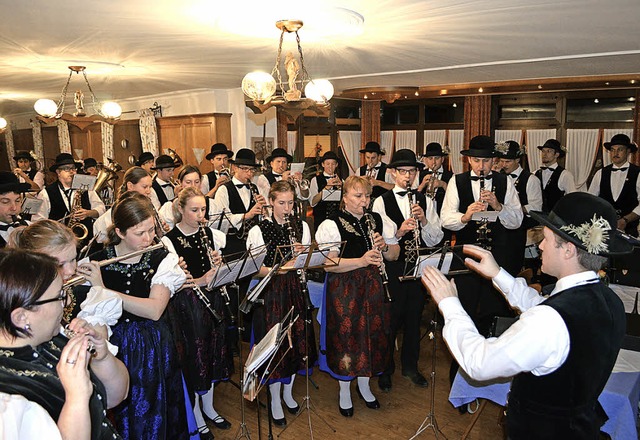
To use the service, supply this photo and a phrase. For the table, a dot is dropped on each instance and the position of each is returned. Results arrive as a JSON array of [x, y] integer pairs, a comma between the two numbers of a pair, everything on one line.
[[619, 399]]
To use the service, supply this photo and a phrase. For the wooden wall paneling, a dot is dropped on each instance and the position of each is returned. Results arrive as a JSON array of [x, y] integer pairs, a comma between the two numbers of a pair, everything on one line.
[[4, 159], [171, 135], [222, 131], [50, 144], [129, 130], [23, 139], [199, 134]]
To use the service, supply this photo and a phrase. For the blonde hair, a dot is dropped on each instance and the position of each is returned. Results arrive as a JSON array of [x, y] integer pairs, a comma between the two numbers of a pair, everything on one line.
[[42, 235], [182, 200], [353, 182]]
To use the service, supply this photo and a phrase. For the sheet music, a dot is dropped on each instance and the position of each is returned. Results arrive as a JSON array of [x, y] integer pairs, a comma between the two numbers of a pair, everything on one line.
[[434, 261], [297, 167], [83, 182], [489, 216], [31, 205], [331, 195], [317, 259], [227, 273], [254, 261], [263, 350]]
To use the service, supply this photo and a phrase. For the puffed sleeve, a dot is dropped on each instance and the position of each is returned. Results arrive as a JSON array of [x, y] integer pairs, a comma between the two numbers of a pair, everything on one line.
[[169, 274], [328, 232], [254, 238], [166, 213], [101, 307], [219, 239], [22, 419]]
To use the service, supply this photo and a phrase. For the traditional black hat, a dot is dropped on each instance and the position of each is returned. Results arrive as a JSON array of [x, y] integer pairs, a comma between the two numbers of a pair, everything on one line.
[[404, 158], [246, 157], [434, 149], [480, 146], [587, 221], [63, 159], [509, 150], [219, 148], [279, 152], [144, 158], [24, 155], [90, 162], [9, 183], [329, 155], [555, 145], [164, 161], [372, 147], [621, 139]]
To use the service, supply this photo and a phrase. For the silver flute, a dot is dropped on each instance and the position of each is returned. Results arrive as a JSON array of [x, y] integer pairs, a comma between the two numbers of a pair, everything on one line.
[[91, 348]]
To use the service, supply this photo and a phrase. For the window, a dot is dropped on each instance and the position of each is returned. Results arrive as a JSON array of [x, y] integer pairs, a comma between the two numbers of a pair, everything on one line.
[[600, 109]]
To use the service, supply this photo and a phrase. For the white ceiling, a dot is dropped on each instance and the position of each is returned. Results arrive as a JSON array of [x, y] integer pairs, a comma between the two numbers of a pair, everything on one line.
[[135, 48]]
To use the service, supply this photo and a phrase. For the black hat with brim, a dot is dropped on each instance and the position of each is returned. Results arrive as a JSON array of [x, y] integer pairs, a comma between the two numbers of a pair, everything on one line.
[[9, 183], [621, 139], [329, 155], [24, 155], [511, 150], [554, 145], [587, 221], [404, 158], [245, 157], [480, 146], [434, 149], [372, 147], [219, 148], [63, 159], [90, 162], [164, 161], [144, 158], [279, 152]]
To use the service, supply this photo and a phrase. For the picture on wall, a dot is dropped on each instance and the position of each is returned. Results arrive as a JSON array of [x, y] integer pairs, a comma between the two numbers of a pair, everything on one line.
[[262, 148]]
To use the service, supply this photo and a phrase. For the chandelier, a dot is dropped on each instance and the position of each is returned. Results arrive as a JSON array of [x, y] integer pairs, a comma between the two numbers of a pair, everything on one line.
[[48, 110], [268, 90]]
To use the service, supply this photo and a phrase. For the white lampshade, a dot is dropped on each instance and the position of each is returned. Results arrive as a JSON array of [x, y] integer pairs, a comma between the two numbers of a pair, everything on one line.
[[320, 90], [111, 109], [46, 107], [3, 123], [259, 86]]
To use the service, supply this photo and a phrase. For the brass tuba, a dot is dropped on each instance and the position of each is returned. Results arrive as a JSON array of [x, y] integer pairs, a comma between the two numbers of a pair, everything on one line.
[[107, 177], [177, 160]]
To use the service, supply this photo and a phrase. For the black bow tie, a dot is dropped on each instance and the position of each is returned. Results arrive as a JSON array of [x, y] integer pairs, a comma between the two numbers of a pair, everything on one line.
[[548, 168], [5, 228], [619, 169], [476, 178], [166, 185], [515, 176], [402, 193], [276, 175], [243, 185]]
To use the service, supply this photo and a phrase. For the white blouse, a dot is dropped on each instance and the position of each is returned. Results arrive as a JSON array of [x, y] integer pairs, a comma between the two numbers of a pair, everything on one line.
[[22, 419]]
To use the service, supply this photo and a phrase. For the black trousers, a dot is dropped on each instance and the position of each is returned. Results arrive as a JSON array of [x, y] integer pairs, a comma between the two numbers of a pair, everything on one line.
[[406, 314]]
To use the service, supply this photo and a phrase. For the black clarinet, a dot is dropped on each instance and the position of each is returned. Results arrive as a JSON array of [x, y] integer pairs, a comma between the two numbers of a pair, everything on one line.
[[223, 290], [370, 221], [483, 229], [302, 274]]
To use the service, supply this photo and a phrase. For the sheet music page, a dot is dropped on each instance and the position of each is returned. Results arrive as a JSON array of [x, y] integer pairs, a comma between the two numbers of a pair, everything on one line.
[[490, 216], [254, 261], [227, 273], [331, 195], [84, 182], [31, 205], [434, 261], [317, 259], [297, 167], [263, 350]]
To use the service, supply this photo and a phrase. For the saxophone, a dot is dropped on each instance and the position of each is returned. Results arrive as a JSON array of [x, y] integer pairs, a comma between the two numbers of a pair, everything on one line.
[[209, 250], [371, 225], [79, 230], [302, 273]]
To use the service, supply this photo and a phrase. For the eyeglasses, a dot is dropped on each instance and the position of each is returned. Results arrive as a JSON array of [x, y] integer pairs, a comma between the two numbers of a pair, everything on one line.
[[63, 297], [253, 170], [67, 169], [404, 172]]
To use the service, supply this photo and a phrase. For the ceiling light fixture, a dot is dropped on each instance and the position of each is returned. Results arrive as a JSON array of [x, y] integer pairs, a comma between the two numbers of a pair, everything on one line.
[[268, 90], [3, 124], [48, 110]]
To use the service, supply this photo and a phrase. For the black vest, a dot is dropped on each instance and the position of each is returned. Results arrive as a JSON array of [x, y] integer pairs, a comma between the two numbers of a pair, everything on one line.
[[211, 176], [162, 197], [564, 404], [382, 172], [628, 198], [32, 173], [270, 177], [521, 186], [275, 235], [392, 211], [440, 192], [192, 249], [355, 232], [324, 209], [236, 237], [551, 193], [59, 209]]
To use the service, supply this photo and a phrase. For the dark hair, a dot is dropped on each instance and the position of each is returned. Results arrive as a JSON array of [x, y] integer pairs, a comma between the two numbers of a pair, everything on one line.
[[24, 277], [128, 212], [188, 169], [133, 175], [281, 187], [585, 259], [182, 200]]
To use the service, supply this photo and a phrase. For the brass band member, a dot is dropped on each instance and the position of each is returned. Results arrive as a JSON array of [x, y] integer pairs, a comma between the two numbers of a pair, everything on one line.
[[283, 292], [155, 407], [219, 158], [45, 379], [556, 180], [27, 171], [200, 340], [11, 196], [434, 178], [162, 187], [279, 161], [417, 226], [374, 169], [188, 177], [355, 336], [322, 186], [146, 161]]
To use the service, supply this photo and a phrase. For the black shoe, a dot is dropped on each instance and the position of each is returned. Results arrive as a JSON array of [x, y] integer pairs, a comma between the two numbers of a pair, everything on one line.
[[346, 412], [384, 382], [204, 432], [293, 410], [219, 422], [372, 405], [278, 422], [416, 378]]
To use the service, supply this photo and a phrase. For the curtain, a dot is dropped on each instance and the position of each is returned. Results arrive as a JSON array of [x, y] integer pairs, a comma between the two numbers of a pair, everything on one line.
[[107, 142], [456, 142], [582, 145], [292, 137], [350, 143], [148, 131], [439, 136], [63, 136], [534, 138], [508, 135], [406, 139], [386, 143], [38, 147], [608, 134], [8, 137]]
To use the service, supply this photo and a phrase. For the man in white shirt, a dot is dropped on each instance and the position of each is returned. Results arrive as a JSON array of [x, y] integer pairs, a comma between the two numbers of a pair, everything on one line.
[[279, 163], [219, 158], [562, 349], [27, 172], [618, 183], [556, 181], [375, 169], [11, 194], [162, 184]]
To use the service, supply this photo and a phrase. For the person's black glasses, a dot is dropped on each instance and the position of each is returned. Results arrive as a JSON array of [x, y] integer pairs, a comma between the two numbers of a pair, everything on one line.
[[63, 297]]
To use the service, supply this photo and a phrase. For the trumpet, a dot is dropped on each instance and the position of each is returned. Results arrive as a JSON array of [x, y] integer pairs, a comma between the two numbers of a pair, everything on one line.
[[226, 172], [371, 225], [301, 184], [412, 246]]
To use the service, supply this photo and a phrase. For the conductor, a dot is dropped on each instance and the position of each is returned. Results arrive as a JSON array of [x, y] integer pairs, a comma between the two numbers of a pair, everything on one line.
[[551, 349]]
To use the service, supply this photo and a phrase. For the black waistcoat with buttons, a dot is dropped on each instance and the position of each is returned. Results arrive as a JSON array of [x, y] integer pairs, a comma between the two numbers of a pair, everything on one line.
[[551, 193], [628, 198], [211, 176], [275, 235], [131, 279], [355, 232], [392, 210], [521, 186], [236, 206], [162, 197], [381, 175], [192, 249], [59, 208], [270, 177], [324, 209]]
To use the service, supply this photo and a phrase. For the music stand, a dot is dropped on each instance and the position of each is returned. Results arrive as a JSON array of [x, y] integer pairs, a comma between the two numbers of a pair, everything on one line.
[[314, 258], [440, 257]]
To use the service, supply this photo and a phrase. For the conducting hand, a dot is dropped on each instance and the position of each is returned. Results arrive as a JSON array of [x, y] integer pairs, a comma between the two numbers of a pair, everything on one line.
[[487, 266], [438, 285]]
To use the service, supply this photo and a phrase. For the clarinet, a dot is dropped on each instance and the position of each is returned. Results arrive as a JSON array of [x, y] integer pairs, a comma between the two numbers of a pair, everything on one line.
[[302, 274], [370, 221], [483, 229], [223, 290]]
